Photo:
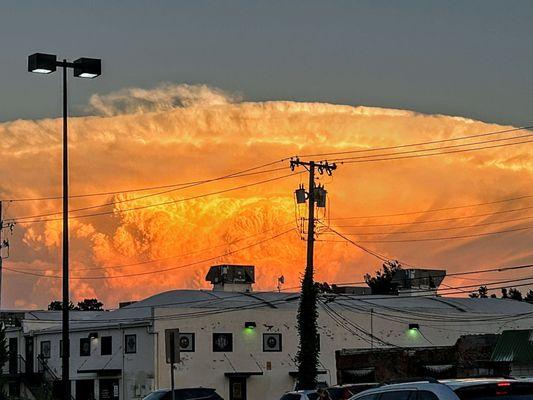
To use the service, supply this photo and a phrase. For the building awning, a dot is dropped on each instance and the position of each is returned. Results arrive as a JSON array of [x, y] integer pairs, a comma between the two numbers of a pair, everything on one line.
[[101, 372], [242, 374], [514, 346], [294, 374], [439, 368], [360, 371]]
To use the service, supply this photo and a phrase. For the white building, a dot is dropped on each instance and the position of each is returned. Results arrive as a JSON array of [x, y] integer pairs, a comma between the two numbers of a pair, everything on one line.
[[244, 343]]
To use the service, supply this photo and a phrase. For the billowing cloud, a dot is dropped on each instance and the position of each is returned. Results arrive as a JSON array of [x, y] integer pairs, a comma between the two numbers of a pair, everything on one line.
[[180, 133], [162, 98]]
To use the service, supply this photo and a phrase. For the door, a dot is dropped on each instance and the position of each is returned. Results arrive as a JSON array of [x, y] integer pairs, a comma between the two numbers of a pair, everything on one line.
[[29, 354], [13, 355], [109, 389], [85, 389], [237, 388]]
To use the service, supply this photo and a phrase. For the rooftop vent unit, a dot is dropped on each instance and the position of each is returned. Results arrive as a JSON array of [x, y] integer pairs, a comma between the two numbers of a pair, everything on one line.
[[418, 282], [231, 278]]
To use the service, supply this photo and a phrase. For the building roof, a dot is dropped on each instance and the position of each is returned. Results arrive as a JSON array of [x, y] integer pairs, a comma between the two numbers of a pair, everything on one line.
[[141, 312], [486, 306], [514, 346]]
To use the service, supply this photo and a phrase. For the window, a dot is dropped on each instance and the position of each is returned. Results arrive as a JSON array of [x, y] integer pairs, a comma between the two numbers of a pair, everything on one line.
[[272, 342], [45, 349], [369, 397], [85, 347], [131, 344], [426, 395], [290, 396], [398, 395], [222, 342], [186, 342], [106, 348]]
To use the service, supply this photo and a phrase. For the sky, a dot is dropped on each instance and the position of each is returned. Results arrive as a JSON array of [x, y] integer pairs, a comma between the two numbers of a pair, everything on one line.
[[197, 90], [471, 59]]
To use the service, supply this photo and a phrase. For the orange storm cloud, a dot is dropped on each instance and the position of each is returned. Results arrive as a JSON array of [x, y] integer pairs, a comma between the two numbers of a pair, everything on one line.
[[128, 245]]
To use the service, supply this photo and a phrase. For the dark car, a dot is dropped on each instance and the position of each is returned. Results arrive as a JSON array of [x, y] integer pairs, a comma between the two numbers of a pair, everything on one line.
[[185, 394], [344, 392]]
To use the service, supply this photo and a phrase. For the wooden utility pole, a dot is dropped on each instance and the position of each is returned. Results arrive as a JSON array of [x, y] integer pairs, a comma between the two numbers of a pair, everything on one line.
[[308, 352]]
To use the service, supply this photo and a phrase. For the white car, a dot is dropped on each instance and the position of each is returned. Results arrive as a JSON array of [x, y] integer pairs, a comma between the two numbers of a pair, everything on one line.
[[300, 395], [453, 389]]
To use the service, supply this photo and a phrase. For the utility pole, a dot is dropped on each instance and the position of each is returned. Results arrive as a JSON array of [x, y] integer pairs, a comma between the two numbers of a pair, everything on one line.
[[1, 246], [308, 352]]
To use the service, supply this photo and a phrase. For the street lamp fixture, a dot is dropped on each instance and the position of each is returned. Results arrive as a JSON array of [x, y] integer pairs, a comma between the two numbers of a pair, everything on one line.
[[87, 68], [41, 63]]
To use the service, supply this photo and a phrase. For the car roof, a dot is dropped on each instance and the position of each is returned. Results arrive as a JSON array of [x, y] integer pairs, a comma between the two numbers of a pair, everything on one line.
[[459, 383], [301, 392], [418, 385]]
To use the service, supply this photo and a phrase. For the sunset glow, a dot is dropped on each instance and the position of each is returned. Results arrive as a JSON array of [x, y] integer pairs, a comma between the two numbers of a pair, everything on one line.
[[178, 134]]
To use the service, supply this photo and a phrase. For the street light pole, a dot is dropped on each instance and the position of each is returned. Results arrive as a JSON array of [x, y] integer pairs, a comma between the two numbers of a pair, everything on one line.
[[83, 68], [65, 368]]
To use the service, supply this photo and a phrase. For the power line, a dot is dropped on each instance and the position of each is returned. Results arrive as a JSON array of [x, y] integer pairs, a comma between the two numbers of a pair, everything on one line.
[[438, 220], [420, 143], [366, 250], [436, 209], [435, 148], [237, 174], [29, 219], [340, 161], [154, 271], [438, 229], [447, 237], [156, 260]]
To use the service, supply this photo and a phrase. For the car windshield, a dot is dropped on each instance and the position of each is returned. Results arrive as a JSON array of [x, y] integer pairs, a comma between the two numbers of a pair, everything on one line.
[[184, 394], [156, 395], [290, 396], [497, 391]]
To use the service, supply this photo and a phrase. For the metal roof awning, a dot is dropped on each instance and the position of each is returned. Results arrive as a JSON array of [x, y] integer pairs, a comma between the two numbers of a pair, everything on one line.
[[101, 372], [359, 372], [438, 368], [242, 374], [514, 346]]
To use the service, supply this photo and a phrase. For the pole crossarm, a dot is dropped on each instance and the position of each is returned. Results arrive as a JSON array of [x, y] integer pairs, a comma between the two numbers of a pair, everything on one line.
[[321, 166]]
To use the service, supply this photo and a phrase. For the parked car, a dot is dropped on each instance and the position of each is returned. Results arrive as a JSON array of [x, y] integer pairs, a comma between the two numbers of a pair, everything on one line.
[[300, 395], [344, 392], [452, 389], [184, 394]]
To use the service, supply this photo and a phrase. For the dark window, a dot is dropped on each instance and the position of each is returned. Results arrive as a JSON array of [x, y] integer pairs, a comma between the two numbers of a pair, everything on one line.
[[312, 396], [426, 395], [369, 397], [222, 342], [398, 395], [272, 342], [290, 396], [107, 346], [186, 342], [45, 349], [85, 347], [131, 344]]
